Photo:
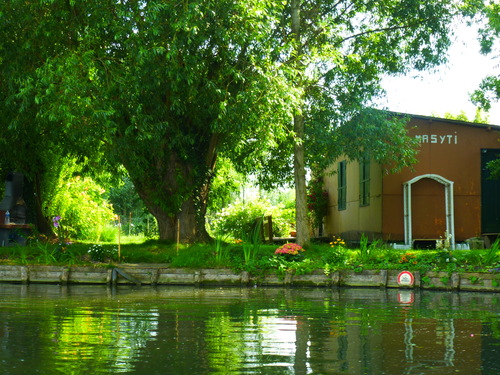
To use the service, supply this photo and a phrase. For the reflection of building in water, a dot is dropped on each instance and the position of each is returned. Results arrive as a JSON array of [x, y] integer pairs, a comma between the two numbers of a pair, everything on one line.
[[351, 348], [490, 342], [440, 351], [419, 341]]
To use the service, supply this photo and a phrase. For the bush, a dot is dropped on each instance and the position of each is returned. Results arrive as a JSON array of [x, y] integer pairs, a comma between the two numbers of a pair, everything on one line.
[[134, 217], [109, 233], [99, 253], [239, 219], [83, 211]]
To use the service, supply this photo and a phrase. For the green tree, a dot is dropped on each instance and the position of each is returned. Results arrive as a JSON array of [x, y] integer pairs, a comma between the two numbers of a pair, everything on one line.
[[36, 143], [80, 203], [480, 117], [462, 116], [489, 35], [299, 166], [162, 87], [225, 186]]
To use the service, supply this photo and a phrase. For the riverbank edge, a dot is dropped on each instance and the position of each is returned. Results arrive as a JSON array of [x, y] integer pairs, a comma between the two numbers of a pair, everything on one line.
[[157, 274]]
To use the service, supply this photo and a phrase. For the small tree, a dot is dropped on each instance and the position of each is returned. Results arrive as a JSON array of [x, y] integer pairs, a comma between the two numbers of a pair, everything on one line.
[[489, 35], [80, 204]]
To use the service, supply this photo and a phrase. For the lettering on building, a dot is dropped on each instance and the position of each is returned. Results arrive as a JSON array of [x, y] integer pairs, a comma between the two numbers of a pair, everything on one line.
[[447, 139]]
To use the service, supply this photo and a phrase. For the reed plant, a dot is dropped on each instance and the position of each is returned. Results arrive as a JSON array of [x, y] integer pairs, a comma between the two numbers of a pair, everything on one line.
[[490, 257], [47, 253], [252, 242], [221, 249]]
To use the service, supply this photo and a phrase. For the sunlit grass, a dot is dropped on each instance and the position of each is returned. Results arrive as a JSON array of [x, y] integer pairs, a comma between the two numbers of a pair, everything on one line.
[[126, 239]]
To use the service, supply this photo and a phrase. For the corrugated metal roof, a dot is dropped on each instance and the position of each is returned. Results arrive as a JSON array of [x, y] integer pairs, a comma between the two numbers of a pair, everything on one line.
[[458, 122]]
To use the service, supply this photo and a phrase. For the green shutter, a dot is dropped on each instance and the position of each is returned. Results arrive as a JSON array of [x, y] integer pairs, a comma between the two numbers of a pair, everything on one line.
[[364, 182], [342, 190]]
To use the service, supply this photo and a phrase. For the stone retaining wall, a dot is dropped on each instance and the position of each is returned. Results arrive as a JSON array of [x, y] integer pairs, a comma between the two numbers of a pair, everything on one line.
[[162, 275]]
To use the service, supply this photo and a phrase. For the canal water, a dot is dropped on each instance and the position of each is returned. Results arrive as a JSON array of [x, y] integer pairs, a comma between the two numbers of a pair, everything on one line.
[[51, 329]]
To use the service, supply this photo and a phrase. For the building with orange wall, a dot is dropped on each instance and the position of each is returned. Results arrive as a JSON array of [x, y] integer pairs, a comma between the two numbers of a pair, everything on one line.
[[449, 189]]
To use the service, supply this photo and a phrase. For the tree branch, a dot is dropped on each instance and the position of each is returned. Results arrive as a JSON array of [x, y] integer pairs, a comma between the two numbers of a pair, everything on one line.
[[380, 30]]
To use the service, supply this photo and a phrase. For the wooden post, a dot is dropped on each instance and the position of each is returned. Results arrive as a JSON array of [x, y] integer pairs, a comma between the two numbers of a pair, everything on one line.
[[119, 237], [178, 234], [270, 228]]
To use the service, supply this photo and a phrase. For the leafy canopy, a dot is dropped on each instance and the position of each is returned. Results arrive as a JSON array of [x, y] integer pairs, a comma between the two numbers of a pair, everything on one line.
[[488, 14], [165, 87]]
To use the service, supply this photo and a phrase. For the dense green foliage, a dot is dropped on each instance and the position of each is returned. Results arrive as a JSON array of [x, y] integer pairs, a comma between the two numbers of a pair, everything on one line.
[[489, 90], [80, 203], [160, 87], [133, 214], [480, 117], [165, 88], [317, 201], [226, 185], [238, 220]]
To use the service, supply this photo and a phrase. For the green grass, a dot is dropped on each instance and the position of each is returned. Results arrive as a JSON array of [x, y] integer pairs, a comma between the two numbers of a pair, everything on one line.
[[317, 256]]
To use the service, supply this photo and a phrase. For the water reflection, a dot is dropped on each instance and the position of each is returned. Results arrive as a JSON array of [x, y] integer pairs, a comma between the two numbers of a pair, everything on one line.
[[49, 329]]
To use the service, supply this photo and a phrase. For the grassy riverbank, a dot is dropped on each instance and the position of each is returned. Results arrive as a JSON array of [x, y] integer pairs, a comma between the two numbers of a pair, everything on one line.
[[255, 257]]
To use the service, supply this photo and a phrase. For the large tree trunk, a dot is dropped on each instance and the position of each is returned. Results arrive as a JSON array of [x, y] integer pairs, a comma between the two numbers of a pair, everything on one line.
[[176, 197], [34, 202], [299, 171], [300, 183], [188, 226]]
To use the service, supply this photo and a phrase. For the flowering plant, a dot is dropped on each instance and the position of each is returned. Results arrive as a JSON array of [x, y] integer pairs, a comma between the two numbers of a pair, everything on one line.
[[337, 241], [99, 253], [408, 258], [444, 244], [62, 238], [56, 220], [290, 249]]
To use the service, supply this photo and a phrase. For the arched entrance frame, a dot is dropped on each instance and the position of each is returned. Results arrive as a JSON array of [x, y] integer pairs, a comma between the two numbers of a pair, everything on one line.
[[450, 211]]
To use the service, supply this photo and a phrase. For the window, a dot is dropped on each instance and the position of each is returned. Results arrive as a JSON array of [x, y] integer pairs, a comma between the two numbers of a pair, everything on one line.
[[364, 181], [342, 190]]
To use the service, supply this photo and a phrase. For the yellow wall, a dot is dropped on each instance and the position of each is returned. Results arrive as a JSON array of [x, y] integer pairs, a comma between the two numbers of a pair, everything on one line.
[[354, 218]]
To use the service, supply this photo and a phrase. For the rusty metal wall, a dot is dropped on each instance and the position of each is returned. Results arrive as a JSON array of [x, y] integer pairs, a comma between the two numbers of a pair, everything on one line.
[[451, 149]]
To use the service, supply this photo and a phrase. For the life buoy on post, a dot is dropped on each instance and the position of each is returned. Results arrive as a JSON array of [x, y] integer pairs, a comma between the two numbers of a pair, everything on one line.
[[406, 278]]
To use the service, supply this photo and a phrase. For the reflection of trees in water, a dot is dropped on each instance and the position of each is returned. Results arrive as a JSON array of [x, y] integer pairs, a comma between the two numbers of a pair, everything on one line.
[[103, 337], [268, 331], [64, 338]]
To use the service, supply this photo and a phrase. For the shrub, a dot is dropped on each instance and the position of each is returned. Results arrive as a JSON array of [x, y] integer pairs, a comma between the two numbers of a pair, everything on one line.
[[109, 233], [289, 249], [238, 220], [82, 208], [99, 253]]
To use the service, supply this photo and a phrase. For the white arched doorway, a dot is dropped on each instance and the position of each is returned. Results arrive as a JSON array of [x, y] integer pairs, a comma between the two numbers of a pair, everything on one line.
[[449, 209]]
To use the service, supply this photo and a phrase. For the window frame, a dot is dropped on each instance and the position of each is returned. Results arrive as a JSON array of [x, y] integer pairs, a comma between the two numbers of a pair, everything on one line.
[[342, 185], [364, 182]]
